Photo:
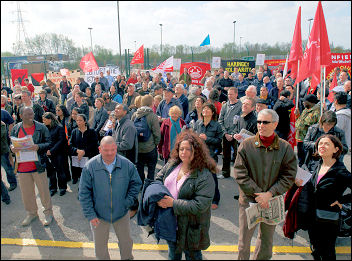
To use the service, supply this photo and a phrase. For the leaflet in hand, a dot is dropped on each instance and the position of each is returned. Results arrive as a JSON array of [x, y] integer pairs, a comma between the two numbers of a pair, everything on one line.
[[303, 175], [245, 134], [79, 163], [24, 143]]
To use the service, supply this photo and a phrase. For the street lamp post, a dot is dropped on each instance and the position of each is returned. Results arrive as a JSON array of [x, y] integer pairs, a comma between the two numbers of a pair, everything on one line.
[[161, 39], [91, 43], [240, 43], [234, 35], [310, 20]]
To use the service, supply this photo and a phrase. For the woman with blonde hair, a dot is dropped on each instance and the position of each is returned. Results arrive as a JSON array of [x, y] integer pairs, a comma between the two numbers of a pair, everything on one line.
[[53, 88]]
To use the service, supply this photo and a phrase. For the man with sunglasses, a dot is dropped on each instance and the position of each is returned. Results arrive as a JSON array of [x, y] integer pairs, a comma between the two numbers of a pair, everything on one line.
[[265, 167]]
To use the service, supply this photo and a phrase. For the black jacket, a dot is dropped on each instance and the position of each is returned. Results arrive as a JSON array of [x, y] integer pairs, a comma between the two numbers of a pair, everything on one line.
[[87, 142], [314, 132], [58, 144], [47, 105], [283, 110], [214, 135], [248, 122]]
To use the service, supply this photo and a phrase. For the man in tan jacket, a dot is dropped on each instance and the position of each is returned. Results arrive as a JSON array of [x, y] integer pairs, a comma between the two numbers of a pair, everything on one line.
[[265, 167]]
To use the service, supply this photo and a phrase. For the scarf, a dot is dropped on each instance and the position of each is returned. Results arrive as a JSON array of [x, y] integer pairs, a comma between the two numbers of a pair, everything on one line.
[[175, 129], [267, 141]]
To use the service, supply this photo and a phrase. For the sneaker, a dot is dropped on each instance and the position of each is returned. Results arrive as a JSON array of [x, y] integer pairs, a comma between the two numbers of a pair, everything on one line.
[[53, 192], [48, 220], [12, 187], [28, 220], [220, 176], [6, 201]]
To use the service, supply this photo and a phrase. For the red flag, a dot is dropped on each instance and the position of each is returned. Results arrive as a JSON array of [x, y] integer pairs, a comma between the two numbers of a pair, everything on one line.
[[317, 51], [196, 70], [292, 133], [138, 56], [333, 85], [165, 66], [19, 74], [296, 52], [88, 63], [37, 78]]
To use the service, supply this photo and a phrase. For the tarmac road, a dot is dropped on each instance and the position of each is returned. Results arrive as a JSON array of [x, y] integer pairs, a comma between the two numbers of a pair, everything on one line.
[[69, 236]]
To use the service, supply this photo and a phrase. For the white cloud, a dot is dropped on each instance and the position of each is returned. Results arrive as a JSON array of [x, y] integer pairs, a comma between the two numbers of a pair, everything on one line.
[[183, 22]]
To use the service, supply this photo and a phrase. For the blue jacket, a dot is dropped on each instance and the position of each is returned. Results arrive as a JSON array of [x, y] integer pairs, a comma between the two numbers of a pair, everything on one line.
[[105, 195], [162, 220]]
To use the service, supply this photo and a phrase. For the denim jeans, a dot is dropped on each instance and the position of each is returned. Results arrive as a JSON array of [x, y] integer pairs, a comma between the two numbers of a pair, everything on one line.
[[5, 163], [63, 97], [4, 193], [190, 255]]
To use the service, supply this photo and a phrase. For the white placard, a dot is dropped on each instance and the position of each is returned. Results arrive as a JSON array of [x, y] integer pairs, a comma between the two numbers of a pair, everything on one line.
[[114, 72], [260, 59], [216, 62], [79, 163], [177, 64]]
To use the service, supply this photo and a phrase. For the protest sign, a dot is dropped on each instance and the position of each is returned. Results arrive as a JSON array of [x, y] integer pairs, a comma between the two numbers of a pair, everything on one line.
[[342, 60], [273, 64], [260, 59], [37, 78], [177, 64], [114, 72], [56, 77], [19, 74], [196, 70], [216, 61], [244, 66]]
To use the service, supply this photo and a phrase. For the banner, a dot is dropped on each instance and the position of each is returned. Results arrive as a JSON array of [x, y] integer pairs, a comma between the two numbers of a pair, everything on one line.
[[37, 78], [342, 60], [19, 74], [273, 64], [114, 72], [196, 71], [56, 77], [244, 66]]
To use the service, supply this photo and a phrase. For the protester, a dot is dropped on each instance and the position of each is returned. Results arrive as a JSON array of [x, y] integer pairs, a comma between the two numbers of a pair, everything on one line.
[[83, 143], [229, 115], [114, 96], [343, 115], [165, 105], [156, 101], [4, 150], [283, 108], [186, 77], [38, 110], [45, 103], [89, 96], [53, 88], [130, 96], [29, 86], [194, 115], [214, 96], [33, 172], [65, 88], [147, 146], [180, 96], [326, 189], [188, 177], [210, 131], [109, 178], [81, 104], [265, 167], [51, 97], [109, 124], [170, 128], [105, 82], [57, 154]]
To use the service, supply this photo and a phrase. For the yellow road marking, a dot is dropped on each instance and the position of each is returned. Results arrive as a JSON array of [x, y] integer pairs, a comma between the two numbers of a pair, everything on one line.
[[221, 248]]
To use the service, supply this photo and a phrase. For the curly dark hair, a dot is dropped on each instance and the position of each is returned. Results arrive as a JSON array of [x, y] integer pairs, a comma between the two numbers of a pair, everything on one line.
[[212, 108], [201, 159], [337, 143]]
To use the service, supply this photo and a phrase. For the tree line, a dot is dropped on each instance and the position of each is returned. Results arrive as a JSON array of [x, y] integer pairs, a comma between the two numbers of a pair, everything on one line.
[[57, 43]]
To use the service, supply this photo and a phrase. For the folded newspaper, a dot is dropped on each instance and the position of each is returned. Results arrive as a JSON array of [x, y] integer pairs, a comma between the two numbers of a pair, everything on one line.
[[273, 215], [24, 143], [245, 134]]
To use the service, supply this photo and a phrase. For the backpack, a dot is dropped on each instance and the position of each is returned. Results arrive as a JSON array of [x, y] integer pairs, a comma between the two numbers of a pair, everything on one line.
[[143, 130]]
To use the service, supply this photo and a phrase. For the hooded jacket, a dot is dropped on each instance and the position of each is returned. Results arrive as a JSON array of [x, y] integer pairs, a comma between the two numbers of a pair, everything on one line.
[[153, 124], [344, 123]]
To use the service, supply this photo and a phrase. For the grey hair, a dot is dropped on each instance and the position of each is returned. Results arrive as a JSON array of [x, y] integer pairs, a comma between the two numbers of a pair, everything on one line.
[[180, 85], [274, 115], [252, 86], [193, 90]]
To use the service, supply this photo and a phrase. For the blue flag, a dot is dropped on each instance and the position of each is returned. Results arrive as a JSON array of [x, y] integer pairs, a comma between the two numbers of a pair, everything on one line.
[[206, 41]]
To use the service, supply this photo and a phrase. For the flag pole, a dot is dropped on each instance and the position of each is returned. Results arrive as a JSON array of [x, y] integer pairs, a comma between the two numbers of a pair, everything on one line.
[[324, 86], [321, 86], [297, 88]]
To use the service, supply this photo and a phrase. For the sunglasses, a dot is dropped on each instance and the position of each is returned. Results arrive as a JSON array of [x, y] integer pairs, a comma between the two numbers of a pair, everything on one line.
[[264, 122]]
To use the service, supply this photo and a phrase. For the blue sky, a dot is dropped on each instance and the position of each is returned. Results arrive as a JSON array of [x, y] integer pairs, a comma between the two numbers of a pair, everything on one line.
[[183, 22]]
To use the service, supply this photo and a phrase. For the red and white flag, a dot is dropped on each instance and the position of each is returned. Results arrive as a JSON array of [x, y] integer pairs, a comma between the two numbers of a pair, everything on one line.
[[296, 52], [317, 51], [88, 63], [165, 66], [292, 133], [138, 56], [333, 85]]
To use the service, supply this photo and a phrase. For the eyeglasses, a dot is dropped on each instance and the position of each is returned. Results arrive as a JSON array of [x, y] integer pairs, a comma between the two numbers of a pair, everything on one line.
[[264, 122]]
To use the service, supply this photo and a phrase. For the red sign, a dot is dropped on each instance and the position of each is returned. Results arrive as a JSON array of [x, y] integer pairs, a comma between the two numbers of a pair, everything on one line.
[[342, 60], [273, 64], [196, 71], [19, 74]]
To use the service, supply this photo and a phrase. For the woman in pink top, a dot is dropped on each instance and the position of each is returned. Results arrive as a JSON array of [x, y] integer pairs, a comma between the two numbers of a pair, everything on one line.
[[327, 186], [188, 177]]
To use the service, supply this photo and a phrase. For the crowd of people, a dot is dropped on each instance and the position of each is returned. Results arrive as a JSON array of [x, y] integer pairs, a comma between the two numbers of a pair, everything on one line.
[[103, 135]]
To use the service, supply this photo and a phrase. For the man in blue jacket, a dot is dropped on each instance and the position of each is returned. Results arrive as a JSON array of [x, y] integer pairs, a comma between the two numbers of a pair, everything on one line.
[[109, 185]]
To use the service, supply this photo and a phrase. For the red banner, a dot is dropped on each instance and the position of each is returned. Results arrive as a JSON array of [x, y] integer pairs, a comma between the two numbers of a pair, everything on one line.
[[37, 78], [273, 64], [19, 74], [196, 71], [342, 60]]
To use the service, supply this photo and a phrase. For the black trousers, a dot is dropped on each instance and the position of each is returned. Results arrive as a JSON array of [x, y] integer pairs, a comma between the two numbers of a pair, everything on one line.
[[323, 236], [150, 160], [226, 155], [56, 172], [300, 153], [76, 172]]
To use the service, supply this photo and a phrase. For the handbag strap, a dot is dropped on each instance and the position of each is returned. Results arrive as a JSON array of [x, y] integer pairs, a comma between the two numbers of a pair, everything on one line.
[[25, 133]]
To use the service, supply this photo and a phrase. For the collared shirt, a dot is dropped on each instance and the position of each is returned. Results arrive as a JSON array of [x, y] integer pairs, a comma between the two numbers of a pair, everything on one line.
[[110, 167]]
